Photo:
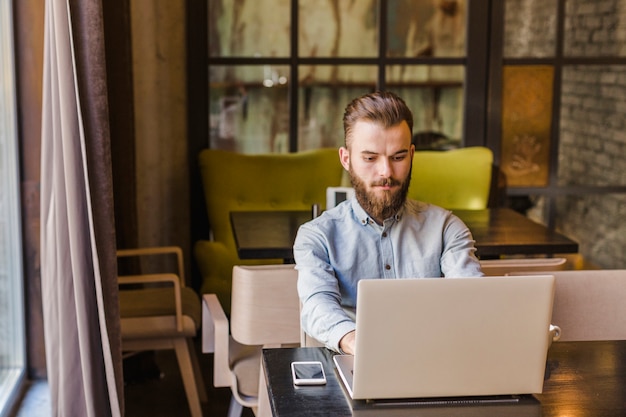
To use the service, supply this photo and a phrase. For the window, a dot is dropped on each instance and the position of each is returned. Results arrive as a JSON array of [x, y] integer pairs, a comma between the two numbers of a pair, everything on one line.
[[12, 344], [563, 100], [282, 71]]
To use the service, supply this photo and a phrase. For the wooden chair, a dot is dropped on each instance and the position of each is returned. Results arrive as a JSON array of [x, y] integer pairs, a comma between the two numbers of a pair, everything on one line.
[[265, 312], [497, 267], [157, 311], [590, 304]]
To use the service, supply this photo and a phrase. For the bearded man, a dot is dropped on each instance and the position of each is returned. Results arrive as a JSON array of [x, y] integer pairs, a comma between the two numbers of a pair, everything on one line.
[[379, 233]]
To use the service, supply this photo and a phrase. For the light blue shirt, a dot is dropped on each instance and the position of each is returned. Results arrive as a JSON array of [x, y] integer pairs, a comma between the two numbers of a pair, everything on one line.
[[344, 245]]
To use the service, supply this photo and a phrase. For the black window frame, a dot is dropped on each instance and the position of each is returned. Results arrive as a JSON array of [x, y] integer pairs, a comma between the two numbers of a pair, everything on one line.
[[497, 61], [475, 62]]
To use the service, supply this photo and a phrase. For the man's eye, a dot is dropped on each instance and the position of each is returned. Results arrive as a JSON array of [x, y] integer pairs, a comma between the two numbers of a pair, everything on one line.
[[399, 157]]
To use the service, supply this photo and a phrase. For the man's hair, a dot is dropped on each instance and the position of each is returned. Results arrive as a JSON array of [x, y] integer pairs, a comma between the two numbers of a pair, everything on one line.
[[382, 107]]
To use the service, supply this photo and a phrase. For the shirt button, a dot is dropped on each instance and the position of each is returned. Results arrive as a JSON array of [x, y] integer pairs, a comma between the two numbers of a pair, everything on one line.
[[384, 234], [387, 267]]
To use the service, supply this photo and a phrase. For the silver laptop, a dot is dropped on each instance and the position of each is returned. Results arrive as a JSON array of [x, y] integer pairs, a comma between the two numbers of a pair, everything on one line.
[[452, 337]]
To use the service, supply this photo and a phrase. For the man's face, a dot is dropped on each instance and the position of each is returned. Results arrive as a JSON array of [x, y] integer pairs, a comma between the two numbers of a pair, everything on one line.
[[379, 162]]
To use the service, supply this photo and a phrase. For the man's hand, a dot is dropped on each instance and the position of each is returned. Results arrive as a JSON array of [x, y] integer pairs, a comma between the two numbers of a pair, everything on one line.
[[346, 344]]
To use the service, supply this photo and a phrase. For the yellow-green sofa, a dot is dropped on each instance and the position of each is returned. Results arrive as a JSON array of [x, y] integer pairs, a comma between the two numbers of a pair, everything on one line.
[[455, 179], [234, 181]]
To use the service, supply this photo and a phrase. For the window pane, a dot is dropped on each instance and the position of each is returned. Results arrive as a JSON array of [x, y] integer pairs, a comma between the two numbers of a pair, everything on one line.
[[595, 28], [593, 127], [12, 345], [248, 28], [248, 107], [529, 28], [338, 28], [324, 93], [526, 124], [426, 28], [434, 93]]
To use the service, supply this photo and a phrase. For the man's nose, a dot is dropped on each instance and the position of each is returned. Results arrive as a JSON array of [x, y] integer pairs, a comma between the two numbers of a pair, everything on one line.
[[384, 168]]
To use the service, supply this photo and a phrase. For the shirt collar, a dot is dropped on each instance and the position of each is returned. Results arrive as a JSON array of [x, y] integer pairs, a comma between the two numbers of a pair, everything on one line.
[[365, 218]]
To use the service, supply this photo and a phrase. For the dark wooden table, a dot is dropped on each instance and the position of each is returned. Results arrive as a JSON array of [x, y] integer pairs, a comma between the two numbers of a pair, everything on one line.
[[502, 231], [266, 234], [583, 379]]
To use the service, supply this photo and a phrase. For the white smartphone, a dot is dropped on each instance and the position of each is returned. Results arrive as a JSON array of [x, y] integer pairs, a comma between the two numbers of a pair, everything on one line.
[[308, 373]]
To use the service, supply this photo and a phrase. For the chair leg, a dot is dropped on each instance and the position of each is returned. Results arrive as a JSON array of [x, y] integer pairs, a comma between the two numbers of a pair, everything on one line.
[[187, 373], [234, 409], [263, 408], [195, 365]]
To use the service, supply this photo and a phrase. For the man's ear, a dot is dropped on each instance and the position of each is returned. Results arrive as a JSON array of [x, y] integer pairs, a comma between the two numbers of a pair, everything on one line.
[[344, 158]]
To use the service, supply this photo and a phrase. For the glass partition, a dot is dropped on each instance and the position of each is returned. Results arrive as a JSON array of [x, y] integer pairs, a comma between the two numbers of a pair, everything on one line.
[[526, 124], [255, 106], [257, 29], [324, 91], [248, 108], [338, 28], [563, 123], [426, 28], [530, 28], [435, 94]]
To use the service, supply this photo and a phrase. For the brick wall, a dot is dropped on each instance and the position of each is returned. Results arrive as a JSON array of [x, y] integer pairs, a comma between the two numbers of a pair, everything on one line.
[[593, 126], [595, 28], [529, 28], [592, 149]]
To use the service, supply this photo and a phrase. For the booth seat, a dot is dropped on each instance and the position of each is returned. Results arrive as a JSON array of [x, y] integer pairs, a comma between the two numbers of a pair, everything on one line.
[[456, 179], [233, 182]]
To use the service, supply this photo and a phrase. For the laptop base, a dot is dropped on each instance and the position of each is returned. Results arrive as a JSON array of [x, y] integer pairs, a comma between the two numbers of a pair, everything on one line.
[[444, 401], [525, 405], [496, 406]]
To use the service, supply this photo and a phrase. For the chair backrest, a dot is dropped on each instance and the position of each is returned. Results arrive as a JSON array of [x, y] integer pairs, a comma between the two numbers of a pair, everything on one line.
[[498, 267], [265, 309], [455, 179], [293, 181], [336, 195], [590, 304]]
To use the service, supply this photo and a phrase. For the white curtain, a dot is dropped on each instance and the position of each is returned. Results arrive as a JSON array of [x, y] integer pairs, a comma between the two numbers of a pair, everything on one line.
[[77, 227]]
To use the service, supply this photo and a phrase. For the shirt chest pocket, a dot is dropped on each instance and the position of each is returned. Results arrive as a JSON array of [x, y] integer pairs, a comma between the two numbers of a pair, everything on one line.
[[422, 267]]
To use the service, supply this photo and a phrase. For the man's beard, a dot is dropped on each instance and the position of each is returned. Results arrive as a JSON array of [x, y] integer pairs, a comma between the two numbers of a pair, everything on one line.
[[380, 207]]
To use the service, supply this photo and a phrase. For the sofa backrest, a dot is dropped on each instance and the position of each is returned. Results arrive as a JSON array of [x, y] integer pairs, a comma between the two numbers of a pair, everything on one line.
[[293, 181], [455, 179]]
